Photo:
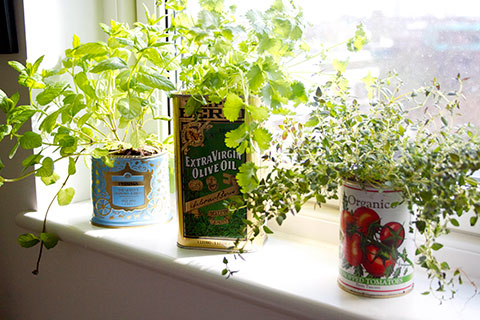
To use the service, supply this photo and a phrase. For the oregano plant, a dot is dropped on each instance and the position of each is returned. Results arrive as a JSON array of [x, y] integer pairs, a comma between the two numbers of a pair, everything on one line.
[[95, 103]]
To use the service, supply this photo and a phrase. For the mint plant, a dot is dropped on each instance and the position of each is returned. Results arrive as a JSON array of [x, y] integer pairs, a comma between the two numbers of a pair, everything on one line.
[[395, 139], [96, 103]]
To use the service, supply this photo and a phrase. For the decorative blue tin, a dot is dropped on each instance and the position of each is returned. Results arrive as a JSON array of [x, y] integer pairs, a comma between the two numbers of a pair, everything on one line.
[[134, 192]]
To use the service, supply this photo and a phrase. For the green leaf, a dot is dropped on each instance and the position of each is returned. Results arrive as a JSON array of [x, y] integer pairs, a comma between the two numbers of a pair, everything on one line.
[[83, 119], [156, 80], [16, 65], [235, 137], [50, 93], [27, 240], [84, 84], [437, 246], [444, 121], [75, 41], [36, 64], [421, 225], [46, 170], [14, 150], [2, 180], [471, 181], [267, 230], [48, 124], [65, 196], [130, 108], [71, 166], [263, 138], [356, 43], [32, 160], [312, 122], [194, 104], [255, 78], [109, 64], [5, 130], [454, 222], [33, 82], [109, 162], [247, 177], [5, 102], [50, 179], [259, 113], [30, 140], [207, 19], [99, 153], [137, 139], [473, 220], [232, 107], [50, 240], [339, 66], [91, 49], [19, 115], [283, 27], [299, 95]]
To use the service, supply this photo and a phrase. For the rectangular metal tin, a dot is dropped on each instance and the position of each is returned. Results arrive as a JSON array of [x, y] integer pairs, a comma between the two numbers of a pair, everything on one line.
[[205, 175]]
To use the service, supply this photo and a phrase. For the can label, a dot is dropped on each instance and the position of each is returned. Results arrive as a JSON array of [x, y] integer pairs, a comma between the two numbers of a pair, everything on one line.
[[206, 170], [376, 247], [133, 192]]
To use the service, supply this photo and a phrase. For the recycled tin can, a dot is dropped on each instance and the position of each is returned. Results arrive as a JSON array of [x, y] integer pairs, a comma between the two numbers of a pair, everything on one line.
[[134, 192], [376, 247], [205, 173]]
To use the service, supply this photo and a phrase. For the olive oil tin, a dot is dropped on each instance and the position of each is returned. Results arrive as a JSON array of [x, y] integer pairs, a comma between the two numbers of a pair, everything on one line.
[[205, 174], [376, 247], [134, 192]]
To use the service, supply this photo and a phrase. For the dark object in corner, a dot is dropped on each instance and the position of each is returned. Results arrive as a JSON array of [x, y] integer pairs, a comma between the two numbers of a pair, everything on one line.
[[8, 31]]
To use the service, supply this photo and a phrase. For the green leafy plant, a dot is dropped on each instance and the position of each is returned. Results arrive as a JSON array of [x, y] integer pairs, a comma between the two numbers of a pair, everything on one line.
[[96, 103], [395, 139], [241, 60]]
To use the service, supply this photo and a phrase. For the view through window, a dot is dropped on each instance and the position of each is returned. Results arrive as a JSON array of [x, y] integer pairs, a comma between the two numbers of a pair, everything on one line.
[[420, 40]]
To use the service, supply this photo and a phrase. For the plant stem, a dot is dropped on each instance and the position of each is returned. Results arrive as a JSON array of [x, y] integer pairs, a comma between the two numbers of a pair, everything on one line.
[[44, 226]]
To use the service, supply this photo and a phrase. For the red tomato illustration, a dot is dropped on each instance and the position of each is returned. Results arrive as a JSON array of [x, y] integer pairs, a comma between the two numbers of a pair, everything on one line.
[[376, 262], [346, 220], [392, 234], [352, 249], [364, 218]]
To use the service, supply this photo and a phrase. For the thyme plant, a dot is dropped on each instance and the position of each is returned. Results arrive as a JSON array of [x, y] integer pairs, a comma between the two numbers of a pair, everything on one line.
[[395, 139]]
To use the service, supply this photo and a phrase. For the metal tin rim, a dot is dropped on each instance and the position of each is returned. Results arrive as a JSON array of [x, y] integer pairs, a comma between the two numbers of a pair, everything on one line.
[[367, 187], [383, 296], [163, 153]]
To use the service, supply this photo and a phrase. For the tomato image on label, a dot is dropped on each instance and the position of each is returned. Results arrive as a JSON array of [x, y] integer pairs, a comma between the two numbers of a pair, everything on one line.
[[376, 261], [392, 234], [346, 220], [353, 250], [366, 219]]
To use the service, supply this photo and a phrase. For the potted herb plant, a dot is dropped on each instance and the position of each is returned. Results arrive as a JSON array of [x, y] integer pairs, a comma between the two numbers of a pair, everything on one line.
[[98, 103], [400, 150], [234, 74]]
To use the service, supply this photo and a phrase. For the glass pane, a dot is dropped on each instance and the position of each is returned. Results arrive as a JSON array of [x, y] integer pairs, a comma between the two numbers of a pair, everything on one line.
[[418, 39]]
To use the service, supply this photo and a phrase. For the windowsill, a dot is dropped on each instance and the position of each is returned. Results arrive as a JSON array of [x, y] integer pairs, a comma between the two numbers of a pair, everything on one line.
[[292, 275]]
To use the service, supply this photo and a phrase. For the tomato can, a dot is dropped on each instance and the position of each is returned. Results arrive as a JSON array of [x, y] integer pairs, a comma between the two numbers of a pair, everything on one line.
[[376, 245]]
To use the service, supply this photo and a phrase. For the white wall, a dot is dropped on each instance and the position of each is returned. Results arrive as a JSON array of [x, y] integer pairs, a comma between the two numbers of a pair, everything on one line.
[[75, 283]]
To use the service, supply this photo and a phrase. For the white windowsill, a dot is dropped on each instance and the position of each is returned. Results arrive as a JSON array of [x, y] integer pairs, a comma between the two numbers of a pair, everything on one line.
[[292, 275]]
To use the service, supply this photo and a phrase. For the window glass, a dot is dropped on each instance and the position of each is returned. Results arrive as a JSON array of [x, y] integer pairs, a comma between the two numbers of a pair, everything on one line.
[[421, 40]]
